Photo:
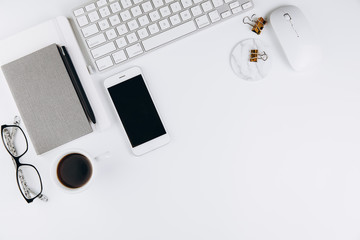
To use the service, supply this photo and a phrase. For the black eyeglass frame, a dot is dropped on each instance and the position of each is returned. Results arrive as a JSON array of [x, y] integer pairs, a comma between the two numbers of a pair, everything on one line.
[[18, 163]]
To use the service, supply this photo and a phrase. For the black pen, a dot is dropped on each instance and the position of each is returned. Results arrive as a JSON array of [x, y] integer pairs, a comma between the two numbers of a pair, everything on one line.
[[77, 84]]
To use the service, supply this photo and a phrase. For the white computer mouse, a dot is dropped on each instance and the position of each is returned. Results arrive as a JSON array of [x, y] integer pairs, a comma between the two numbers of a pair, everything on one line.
[[296, 37]]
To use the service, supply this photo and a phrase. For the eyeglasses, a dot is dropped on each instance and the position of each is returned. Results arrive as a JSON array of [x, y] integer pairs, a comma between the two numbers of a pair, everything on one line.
[[27, 176]]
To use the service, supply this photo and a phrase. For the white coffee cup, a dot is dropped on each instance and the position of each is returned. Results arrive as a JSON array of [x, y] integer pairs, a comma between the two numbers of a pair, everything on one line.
[[74, 171]]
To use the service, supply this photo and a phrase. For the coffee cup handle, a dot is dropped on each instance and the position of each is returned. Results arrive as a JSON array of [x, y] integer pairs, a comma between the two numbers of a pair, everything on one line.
[[102, 156]]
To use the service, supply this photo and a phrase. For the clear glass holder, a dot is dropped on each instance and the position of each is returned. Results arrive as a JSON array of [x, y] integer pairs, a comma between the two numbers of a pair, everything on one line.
[[240, 60]]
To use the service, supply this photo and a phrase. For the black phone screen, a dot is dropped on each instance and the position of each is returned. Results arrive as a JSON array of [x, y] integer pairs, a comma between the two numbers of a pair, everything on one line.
[[136, 110]]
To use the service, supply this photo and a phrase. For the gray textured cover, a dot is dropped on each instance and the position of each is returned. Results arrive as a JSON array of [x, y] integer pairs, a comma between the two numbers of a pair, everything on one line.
[[46, 99]]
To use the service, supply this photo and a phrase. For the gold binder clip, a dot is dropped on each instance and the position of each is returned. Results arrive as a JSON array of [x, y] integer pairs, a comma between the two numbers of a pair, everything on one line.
[[257, 24], [255, 55]]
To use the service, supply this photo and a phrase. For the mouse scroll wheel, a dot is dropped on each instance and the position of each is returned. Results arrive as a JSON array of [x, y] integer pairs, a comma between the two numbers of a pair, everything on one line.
[[287, 16]]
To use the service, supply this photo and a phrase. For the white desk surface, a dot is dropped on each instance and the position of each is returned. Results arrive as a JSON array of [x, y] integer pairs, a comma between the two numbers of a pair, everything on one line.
[[275, 159]]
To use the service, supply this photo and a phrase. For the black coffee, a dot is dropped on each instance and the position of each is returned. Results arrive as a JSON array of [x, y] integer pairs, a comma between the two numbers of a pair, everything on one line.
[[74, 170]]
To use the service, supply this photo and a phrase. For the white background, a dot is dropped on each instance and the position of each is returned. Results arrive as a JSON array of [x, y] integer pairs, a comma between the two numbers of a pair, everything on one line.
[[275, 159]]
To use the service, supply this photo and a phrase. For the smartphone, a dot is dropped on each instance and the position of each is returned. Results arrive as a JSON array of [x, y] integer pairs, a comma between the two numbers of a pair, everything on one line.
[[136, 110]]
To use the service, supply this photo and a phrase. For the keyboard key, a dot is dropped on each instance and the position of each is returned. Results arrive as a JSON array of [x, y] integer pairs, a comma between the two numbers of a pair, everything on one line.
[[154, 16], [137, 1], [169, 35], [158, 3], [90, 30], [119, 56], [237, 10], [121, 42], [134, 50], [207, 6], [214, 16], [147, 7], [197, 1], [101, 3], [246, 5], [82, 21], [143, 33], [114, 20], [185, 15], [217, 3], [111, 34], [104, 63], [78, 12], [165, 11], [93, 16], [175, 19], [115, 7], [103, 50], [175, 7], [133, 25], [122, 29], [186, 3], [125, 15], [196, 11], [226, 14], [169, 1], [143, 20], [164, 24], [104, 24], [153, 28], [126, 3], [104, 12], [202, 21], [136, 11], [132, 38], [234, 5], [96, 40], [90, 7]]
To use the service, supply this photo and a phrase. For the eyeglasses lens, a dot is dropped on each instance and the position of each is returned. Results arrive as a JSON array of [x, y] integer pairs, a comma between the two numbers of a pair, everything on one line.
[[15, 140], [29, 181]]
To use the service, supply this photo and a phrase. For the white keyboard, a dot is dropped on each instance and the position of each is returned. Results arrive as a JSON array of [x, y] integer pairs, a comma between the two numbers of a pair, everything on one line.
[[116, 31]]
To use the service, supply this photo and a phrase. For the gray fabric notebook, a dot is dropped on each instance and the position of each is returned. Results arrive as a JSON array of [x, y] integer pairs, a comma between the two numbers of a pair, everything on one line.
[[46, 99]]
